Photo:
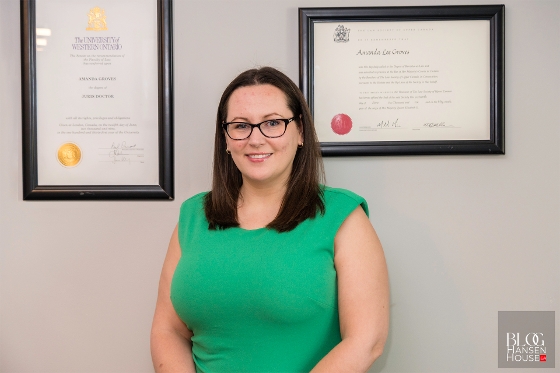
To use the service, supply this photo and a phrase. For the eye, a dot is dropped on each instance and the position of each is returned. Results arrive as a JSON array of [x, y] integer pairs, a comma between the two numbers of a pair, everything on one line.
[[273, 123], [239, 126]]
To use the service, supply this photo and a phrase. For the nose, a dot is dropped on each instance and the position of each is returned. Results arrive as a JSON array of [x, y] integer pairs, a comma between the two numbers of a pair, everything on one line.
[[256, 138]]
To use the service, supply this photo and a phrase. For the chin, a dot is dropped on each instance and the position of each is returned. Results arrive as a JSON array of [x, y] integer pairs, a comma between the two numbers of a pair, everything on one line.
[[260, 178]]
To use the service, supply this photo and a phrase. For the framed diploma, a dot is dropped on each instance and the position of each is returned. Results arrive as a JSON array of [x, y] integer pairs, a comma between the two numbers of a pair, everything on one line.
[[404, 80], [97, 99]]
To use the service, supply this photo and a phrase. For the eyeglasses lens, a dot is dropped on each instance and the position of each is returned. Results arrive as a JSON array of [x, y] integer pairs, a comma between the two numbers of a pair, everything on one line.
[[269, 128]]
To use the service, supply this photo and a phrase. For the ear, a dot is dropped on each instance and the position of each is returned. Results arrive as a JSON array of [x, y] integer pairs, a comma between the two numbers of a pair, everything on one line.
[[226, 139], [300, 128]]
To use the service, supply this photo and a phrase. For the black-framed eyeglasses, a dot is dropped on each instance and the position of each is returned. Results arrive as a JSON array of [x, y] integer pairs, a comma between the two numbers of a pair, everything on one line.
[[269, 128]]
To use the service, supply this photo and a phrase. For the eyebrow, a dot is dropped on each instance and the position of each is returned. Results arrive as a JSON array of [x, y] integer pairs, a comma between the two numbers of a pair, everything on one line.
[[237, 119]]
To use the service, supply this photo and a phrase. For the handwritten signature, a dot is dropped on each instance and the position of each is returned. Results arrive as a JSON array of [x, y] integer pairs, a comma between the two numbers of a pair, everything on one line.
[[122, 146], [389, 124], [118, 153], [435, 124], [119, 158]]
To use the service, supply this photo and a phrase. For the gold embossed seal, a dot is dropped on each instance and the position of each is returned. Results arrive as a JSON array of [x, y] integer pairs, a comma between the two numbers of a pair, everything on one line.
[[97, 19], [69, 154]]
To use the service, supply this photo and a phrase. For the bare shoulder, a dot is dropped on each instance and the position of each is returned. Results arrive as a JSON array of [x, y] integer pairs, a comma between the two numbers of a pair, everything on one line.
[[363, 284], [357, 234]]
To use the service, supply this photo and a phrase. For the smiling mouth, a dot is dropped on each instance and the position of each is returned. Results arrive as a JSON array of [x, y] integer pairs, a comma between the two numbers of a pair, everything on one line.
[[259, 156]]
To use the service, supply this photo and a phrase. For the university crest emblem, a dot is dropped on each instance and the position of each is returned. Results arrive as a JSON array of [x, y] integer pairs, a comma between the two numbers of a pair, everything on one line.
[[97, 20]]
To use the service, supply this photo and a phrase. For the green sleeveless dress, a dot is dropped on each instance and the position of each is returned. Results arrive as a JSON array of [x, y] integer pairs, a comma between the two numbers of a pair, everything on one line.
[[259, 300]]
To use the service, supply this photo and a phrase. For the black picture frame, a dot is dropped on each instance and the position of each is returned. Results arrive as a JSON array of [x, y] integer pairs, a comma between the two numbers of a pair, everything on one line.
[[32, 190], [309, 17]]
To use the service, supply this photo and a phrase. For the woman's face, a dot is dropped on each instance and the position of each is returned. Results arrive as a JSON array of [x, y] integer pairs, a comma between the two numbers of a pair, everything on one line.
[[262, 160]]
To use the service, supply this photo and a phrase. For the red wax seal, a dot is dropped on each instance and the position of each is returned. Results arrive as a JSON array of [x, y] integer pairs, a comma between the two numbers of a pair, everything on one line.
[[341, 124]]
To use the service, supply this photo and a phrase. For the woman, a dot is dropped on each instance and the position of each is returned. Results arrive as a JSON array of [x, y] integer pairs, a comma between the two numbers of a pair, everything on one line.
[[270, 271]]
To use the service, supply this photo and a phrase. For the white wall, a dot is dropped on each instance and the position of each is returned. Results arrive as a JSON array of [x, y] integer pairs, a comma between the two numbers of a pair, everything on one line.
[[465, 236]]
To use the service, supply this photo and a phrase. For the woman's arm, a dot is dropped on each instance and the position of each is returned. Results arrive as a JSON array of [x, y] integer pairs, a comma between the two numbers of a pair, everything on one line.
[[170, 339], [363, 297]]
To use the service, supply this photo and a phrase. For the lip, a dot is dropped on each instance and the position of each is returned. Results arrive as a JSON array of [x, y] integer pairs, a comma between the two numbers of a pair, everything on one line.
[[258, 157]]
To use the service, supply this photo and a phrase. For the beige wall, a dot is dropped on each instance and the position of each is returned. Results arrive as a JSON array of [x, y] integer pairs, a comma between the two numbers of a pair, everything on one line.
[[465, 236]]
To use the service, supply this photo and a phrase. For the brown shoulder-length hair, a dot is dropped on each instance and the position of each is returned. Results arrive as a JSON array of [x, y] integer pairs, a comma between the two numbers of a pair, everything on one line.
[[304, 195]]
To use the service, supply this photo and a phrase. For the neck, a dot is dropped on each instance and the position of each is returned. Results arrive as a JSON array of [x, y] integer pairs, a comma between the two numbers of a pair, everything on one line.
[[258, 205], [253, 193]]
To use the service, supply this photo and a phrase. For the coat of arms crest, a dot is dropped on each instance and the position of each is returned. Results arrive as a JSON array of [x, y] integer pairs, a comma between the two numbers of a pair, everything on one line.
[[97, 20], [341, 34]]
